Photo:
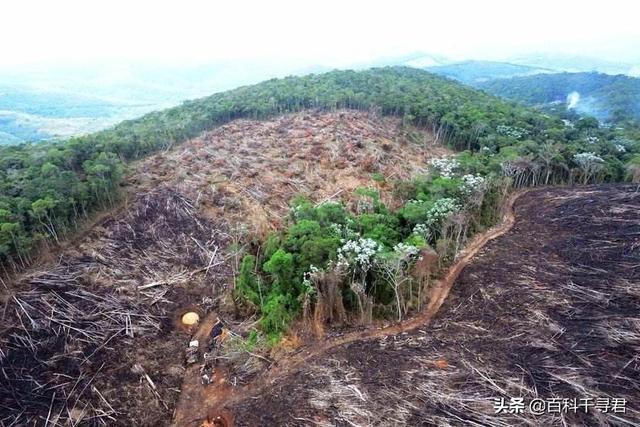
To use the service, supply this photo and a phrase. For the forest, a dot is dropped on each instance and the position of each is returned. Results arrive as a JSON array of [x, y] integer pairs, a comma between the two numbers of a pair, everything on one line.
[[615, 99], [47, 190]]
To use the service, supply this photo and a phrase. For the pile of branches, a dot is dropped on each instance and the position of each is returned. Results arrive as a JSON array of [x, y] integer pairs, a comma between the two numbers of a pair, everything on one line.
[[70, 327], [160, 240], [53, 350]]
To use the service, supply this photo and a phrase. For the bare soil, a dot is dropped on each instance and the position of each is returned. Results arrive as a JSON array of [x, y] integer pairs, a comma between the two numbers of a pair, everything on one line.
[[548, 310]]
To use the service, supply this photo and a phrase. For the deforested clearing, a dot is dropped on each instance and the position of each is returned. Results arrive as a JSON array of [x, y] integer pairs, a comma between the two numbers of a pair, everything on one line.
[[94, 336], [548, 310], [248, 170], [120, 326]]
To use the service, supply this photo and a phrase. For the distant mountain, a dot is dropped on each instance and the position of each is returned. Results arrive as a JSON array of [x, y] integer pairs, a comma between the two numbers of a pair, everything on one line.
[[31, 114], [472, 72], [415, 60], [575, 64], [609, 98], [48, 102]]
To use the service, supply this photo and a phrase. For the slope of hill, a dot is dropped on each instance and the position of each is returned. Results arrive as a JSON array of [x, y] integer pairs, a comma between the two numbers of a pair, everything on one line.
[[610, 98], [48, 189], [170, 249], [533, 315], [261, 164], [184, 231], [474, 72]]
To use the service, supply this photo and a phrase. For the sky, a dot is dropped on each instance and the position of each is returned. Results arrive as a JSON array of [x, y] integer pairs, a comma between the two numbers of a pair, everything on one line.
[[326, 32]]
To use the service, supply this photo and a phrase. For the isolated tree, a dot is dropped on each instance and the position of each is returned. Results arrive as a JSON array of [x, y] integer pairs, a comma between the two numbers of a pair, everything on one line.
[[589, 164], [42, 210], [394, 266]]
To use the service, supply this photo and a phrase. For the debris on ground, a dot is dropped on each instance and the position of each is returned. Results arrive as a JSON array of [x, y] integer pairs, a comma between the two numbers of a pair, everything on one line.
[[547, 313], [74, 330], [247, 171], [191, 355]]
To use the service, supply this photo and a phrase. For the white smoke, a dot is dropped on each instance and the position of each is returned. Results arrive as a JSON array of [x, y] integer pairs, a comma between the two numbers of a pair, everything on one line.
[[572, 100]]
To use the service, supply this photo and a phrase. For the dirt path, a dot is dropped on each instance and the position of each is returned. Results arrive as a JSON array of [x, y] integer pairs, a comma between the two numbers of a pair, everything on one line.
[[547, 312], [198, 402]]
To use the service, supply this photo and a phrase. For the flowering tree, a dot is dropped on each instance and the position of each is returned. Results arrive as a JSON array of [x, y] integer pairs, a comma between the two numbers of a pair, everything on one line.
[[394, 266], [512, 131], [589, 164], [473, 188], [440, 210], [357, 257], [446, 167]]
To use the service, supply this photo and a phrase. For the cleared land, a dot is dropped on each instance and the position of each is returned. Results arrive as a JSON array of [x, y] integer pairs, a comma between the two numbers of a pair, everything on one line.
[[91, 336], [246, 171], [550, 309]]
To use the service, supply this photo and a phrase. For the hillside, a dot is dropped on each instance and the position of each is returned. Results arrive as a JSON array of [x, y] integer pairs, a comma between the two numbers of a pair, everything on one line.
[[62, 182], [284, 217], [50, 189], [532, 315], [170, 249], [475, 72], [254, 167], [609, 98]]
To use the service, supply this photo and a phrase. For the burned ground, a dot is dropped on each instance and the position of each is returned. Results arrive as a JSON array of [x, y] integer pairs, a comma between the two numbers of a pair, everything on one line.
[[549, 310], [75, 330], [89, 337]]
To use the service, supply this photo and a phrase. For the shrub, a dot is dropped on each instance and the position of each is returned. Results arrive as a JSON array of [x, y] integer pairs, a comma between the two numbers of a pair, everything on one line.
[[280, 266], [248, 285]]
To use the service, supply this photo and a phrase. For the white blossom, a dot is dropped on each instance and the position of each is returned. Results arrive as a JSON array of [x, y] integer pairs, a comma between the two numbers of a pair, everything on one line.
[[473, 184], [421, 230], [441, 209], [405, 251], [511, 131], [620, 148], [586, 159], [358, 253], [623, 141], [445, 166]]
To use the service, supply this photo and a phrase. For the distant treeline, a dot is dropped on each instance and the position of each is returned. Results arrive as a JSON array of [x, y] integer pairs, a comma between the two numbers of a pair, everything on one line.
[[47, 189], [611, 98]]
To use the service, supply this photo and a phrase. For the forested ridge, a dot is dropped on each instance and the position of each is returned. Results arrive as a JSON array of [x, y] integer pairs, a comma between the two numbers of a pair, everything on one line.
[[612, 98], [46, 190]]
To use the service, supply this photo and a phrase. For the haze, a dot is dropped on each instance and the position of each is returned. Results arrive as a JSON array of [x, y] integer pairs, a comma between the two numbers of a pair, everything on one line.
[[329, 33]]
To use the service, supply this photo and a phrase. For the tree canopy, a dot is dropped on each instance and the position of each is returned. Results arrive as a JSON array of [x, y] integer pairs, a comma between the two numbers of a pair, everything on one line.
[[46, 189]]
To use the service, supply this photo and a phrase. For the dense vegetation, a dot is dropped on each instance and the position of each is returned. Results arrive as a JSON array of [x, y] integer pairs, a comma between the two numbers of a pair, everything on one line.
[[337, 265], [47, 189], [610, 98]]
